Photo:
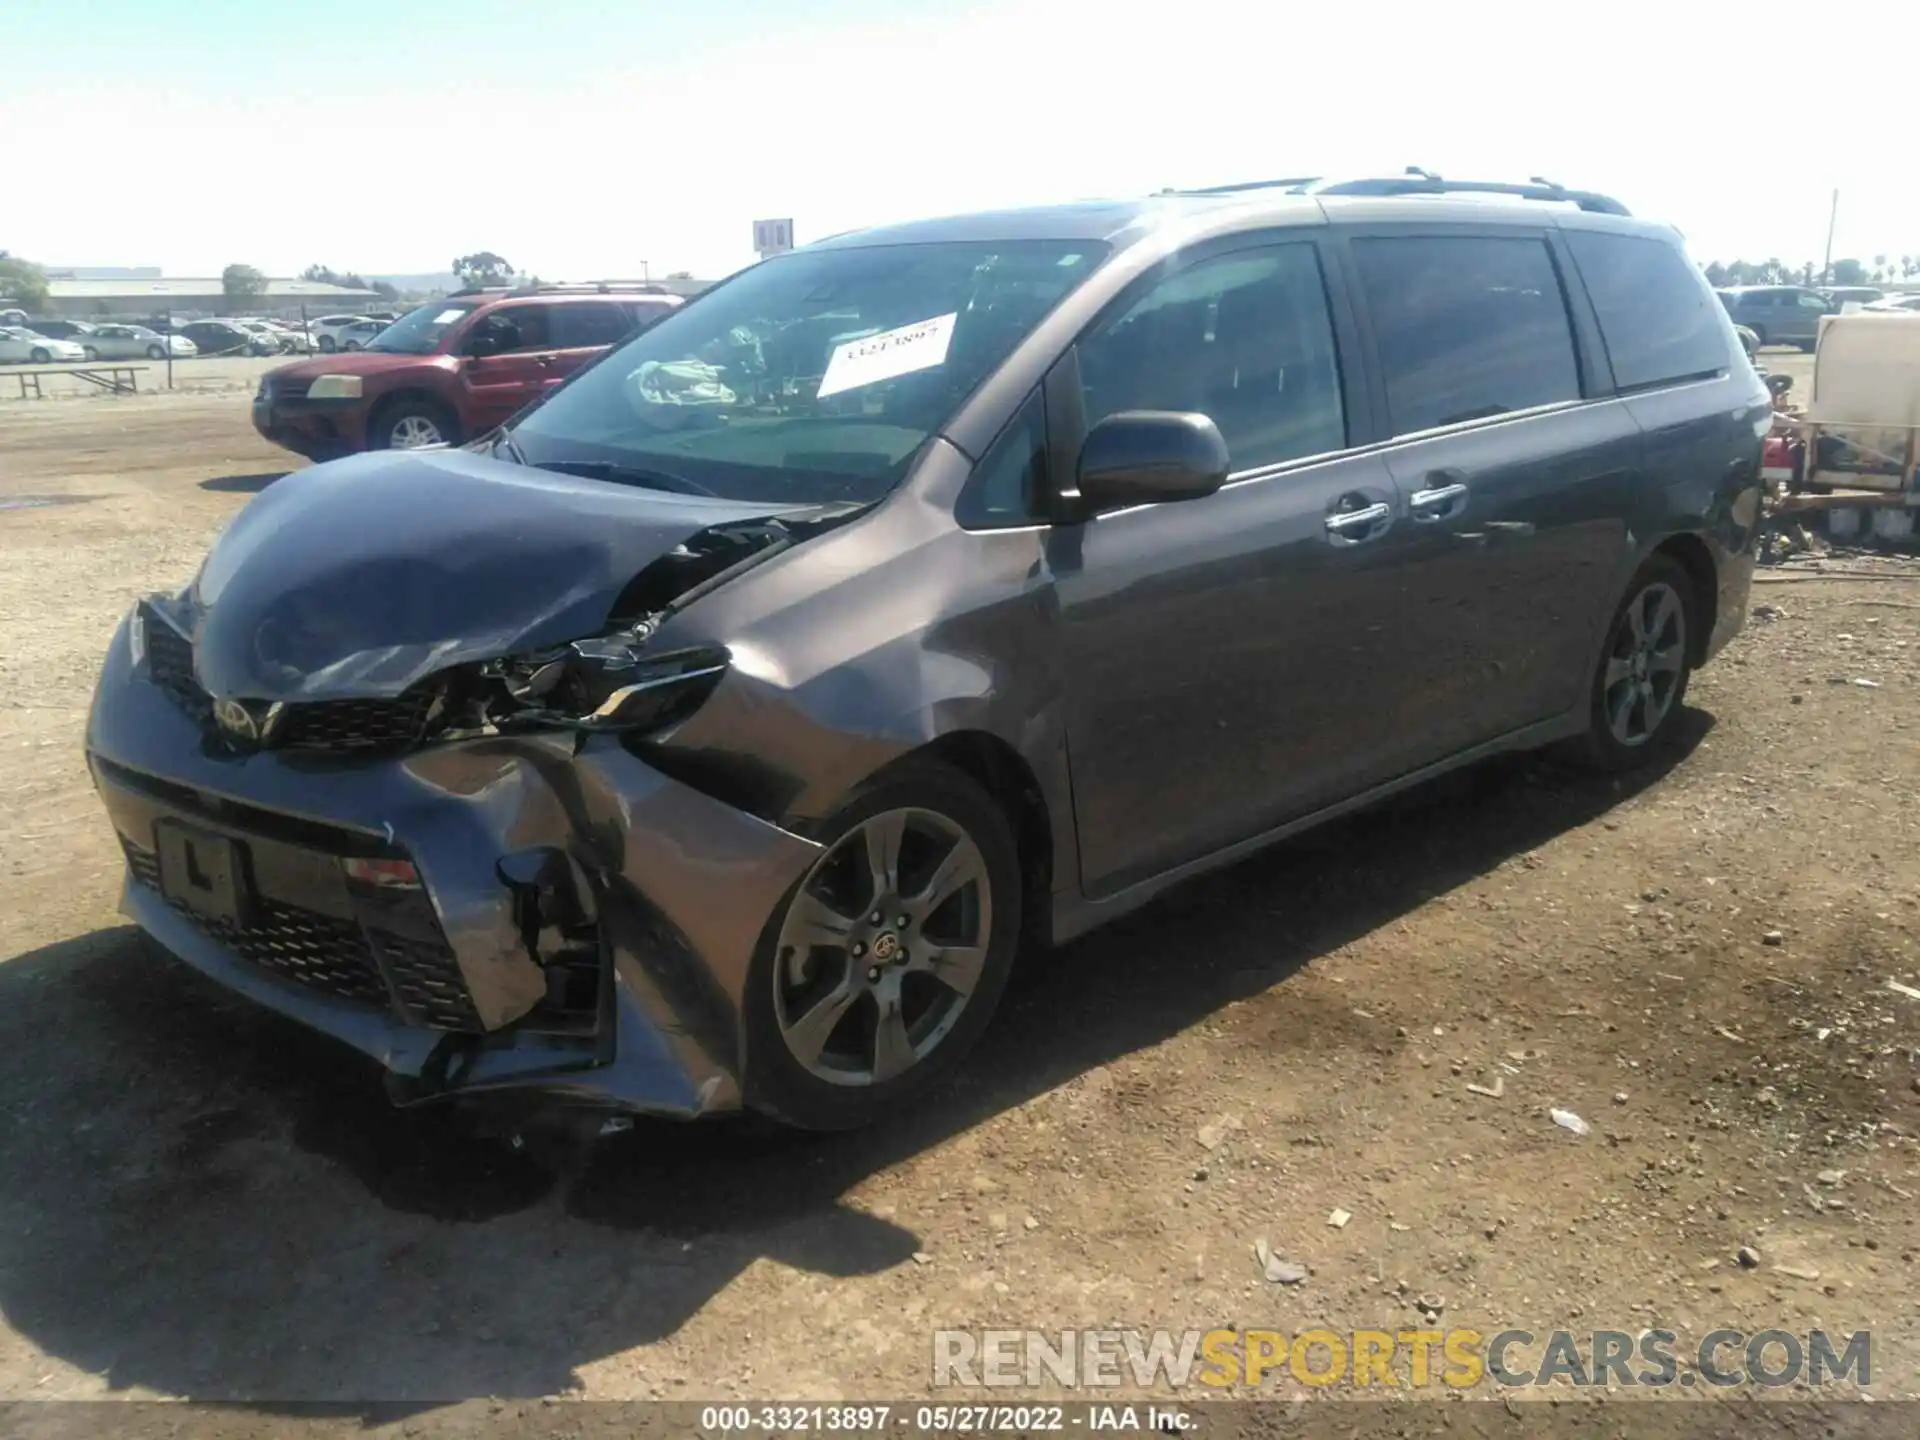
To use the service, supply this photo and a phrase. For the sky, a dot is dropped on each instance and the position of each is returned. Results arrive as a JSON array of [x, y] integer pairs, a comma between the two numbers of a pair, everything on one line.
[[584, 140]]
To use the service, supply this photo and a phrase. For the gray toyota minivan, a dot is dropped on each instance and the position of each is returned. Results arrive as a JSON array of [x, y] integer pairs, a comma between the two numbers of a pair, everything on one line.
[[718, 731]]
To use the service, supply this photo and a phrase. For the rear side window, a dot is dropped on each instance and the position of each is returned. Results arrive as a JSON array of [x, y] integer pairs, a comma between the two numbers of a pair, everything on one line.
[[1658, 324], [587, 323], [1467, 327]]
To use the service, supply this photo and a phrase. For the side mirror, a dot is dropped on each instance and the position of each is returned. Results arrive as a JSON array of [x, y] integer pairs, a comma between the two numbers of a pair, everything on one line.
[[478, 347], [1149, 457]]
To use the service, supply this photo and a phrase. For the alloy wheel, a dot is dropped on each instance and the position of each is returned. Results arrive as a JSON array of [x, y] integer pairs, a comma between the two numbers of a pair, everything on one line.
[[882, 947], [1645, 664], [410, 432]]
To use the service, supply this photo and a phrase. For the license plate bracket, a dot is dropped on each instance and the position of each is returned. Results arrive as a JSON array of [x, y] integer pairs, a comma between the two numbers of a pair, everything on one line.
[[203, 871]]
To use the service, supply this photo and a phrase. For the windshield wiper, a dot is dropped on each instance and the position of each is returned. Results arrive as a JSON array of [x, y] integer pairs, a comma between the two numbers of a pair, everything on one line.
[[624, 475], [502, 439]]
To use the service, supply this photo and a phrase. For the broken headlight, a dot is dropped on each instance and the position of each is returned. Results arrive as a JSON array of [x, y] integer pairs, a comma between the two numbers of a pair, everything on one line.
[[603, 683]]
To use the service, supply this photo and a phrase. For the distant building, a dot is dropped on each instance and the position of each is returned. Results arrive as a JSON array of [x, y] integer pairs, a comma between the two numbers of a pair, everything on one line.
[[139, 298]]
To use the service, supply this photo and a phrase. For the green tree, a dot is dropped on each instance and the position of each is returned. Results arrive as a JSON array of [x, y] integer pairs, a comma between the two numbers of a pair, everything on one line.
[[22, 282], [1849, 272], [483, 267], [1909, 266], [242, 284]]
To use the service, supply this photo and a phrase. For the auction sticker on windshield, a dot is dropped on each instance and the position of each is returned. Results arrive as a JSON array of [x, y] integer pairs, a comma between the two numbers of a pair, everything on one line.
[[889, 354]]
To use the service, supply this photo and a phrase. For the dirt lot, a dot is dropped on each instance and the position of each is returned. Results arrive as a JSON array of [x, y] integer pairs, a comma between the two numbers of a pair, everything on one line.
[[198, 1199]]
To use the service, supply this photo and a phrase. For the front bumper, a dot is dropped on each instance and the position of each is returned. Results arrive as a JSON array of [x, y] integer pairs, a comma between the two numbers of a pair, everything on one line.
[[449, 986], [317, 429]]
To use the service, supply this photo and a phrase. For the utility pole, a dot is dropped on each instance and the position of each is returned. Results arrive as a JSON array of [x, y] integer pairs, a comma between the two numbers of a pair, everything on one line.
[[1826, 265]]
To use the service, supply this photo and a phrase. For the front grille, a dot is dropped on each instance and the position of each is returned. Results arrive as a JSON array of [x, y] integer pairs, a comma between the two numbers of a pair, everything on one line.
[[427, 982], [357, 724], [329, 725], [290, 389], [335, 956]]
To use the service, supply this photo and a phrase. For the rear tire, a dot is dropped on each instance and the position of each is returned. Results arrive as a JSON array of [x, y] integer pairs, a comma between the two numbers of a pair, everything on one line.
[[934, 968], [327, 347], [1639, 686]]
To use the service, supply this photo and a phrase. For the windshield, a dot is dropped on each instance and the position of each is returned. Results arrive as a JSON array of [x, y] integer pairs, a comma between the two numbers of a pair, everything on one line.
[[419, 332], [811, 378]]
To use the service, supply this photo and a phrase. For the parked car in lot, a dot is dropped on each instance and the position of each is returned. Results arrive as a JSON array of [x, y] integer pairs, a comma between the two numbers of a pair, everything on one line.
[[283, 340], [715, 732], [1843, 296], [1899, 304], [223, 337], [359, 335], [132, 342], [446, 371], [74, 330], [326, 330], [19, 345], [1778, 314]]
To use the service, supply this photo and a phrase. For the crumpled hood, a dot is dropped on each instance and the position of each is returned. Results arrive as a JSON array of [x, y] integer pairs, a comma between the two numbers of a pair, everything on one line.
[[357, 578]]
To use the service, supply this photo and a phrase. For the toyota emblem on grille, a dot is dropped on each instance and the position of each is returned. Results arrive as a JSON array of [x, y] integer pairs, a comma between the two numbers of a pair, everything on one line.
[[244, 724], [236, 719]]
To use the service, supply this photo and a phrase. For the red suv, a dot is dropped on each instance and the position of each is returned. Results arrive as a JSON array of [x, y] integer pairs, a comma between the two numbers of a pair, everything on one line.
[[448, 371]]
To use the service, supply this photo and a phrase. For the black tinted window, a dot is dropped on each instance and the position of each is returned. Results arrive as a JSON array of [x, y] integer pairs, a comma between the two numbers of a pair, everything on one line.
[[1655, 315], [518, 327], [588, 323], [1244, 338], [1466, 327]]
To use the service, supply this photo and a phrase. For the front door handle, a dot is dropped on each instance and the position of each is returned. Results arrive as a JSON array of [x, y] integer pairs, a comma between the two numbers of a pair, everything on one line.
[[1439, 502], [1351, 527]]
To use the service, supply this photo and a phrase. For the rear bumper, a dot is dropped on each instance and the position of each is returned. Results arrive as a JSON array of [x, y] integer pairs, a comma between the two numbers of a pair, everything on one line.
[[447, 986]]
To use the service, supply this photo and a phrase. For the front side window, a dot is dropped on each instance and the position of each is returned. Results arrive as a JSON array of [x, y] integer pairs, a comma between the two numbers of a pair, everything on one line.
[[1655, 317], [1244, 338], [1006, 485], [815, 376], [1467, 327], [512, 329], [418, 332], [1813, 302]]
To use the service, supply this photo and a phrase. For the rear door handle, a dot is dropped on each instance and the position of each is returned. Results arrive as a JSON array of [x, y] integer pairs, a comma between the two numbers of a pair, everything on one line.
[[1440, 501]]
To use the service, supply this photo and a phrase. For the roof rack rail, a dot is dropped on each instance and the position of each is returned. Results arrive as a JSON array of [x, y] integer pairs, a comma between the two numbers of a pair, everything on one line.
[[592, 287], [1424, 182]]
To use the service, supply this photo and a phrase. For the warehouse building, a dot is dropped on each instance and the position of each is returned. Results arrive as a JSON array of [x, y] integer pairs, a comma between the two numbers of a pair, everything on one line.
[[129, 298]]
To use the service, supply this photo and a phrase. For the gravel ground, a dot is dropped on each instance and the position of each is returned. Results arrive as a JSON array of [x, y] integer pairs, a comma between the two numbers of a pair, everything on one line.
[[199, 1199]]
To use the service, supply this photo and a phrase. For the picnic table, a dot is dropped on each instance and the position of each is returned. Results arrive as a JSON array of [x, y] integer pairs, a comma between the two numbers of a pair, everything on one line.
[[111, 376]]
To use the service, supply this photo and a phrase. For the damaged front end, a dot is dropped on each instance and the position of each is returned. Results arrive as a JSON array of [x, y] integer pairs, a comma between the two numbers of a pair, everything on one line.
[[460, 863]]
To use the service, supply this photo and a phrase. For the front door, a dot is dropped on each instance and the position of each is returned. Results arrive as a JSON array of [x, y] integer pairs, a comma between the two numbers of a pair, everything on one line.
[[1229, 659], [515, 357], [1518, 489]]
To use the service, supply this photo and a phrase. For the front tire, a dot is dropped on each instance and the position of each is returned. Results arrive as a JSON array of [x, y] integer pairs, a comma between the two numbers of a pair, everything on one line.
[[411, 424], [849, 1016], [154, 352], [1640, 684], [90, 352], [40, 357]]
